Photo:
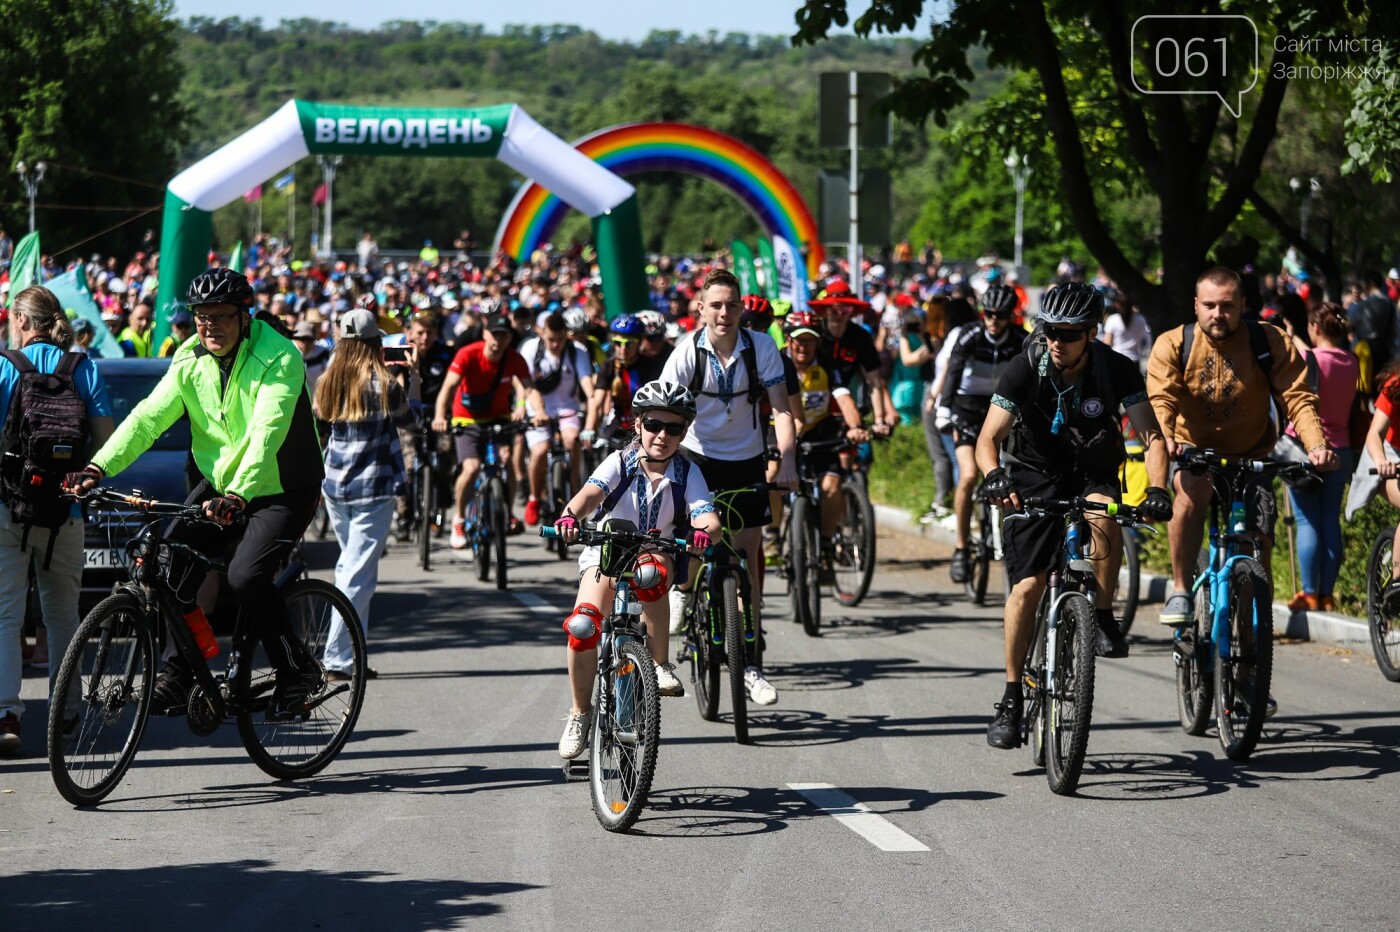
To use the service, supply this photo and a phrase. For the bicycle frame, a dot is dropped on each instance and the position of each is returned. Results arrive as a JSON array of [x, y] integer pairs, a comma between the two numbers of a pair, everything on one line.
[[1224, 554]]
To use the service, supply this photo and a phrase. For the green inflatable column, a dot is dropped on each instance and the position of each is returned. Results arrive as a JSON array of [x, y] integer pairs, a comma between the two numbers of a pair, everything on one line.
[[186, 233], [618, 233]]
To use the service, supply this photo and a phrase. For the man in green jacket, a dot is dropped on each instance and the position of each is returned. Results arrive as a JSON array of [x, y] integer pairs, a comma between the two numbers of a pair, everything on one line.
[[253, 438]]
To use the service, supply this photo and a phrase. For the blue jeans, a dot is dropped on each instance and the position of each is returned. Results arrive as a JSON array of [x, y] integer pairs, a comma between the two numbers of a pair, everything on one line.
[[1319, 519], [362, 530]]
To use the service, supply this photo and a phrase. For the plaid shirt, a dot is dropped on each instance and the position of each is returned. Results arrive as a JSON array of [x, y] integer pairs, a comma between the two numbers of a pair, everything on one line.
[[364, 461]]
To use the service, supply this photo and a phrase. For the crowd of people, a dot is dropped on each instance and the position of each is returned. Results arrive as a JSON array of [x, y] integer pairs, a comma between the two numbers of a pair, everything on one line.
[[705, 393]]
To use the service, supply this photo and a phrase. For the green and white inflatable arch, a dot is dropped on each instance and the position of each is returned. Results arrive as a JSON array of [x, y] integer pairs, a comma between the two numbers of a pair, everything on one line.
[[301, 128]]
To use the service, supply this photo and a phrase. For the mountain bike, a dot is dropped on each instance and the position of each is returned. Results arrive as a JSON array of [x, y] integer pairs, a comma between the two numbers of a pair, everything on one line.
[[488, 509], [716, 631], [801, 547], [1383, 621], [1226, 653], [429, 498], [109, 667], [1126, 596], [1059, 670], [626, 732], [983, 547], [853, 544], [558, 486]]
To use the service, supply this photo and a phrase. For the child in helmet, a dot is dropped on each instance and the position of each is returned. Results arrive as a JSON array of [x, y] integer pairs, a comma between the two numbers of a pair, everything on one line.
[[647, 483]]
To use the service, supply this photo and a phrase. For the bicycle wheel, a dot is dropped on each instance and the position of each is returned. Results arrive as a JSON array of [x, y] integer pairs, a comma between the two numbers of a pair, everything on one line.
[[1033, 687], [1070, 703], [735, 653], [622, 753], [1242, 677], [109, 665], [1385, 627], [853, 550], [1125, 598], [424, 501], [479, 532], [559, 498], [979, 556], [303, 745], [1195, 687], [500, 525], [704, 657], [806, 567]]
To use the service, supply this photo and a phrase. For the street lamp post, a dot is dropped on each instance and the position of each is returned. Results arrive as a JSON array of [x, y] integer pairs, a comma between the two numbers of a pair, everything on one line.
[[1313, 187], [1020, 168], [30, 179], [328, 164]]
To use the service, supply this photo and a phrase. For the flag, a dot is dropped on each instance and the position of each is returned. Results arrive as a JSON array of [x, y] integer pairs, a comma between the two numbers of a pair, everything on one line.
[[791, 274], [71, 289], [24, 264], [287, 184], [318, 197], [743, 266], [770, 268], [253, 194], [236, 259]]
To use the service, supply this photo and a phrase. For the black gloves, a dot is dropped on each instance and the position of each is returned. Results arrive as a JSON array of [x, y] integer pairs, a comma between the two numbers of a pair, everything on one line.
[[1157, 505]]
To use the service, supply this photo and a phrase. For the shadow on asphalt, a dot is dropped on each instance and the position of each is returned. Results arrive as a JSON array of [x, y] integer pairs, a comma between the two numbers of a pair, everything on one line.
[[821, 676], [189, 896]]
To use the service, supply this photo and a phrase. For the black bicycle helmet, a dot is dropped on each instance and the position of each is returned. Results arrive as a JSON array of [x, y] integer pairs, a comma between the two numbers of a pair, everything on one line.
[[1072, 303], [220, 286], [999, 299], [665, 396]]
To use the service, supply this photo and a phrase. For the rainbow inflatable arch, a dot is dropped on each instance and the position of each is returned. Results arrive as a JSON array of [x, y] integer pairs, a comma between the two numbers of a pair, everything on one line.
[[631, 148]]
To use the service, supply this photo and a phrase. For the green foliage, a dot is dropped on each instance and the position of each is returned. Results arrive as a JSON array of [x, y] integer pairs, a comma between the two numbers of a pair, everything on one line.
[[902, 475], [91, 86]]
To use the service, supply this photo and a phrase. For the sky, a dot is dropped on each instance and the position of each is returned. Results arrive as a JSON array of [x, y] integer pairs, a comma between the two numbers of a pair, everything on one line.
[[611, 19]]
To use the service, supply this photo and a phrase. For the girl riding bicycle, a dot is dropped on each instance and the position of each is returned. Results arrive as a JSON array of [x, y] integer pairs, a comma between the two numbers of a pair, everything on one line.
[[649, 484]]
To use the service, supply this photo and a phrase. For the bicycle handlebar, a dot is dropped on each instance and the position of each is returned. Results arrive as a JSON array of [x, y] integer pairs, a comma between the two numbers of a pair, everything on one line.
[[135, 499], [1208, 460], [1064, 507], [494, 428], [594, 536]]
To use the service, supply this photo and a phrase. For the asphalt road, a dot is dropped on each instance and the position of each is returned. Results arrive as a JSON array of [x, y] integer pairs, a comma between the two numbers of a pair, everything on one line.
[[448, 809]]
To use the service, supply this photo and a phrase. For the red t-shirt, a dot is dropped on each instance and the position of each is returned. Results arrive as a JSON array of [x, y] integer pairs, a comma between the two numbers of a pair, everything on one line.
[[478, 375], [1385, 406]]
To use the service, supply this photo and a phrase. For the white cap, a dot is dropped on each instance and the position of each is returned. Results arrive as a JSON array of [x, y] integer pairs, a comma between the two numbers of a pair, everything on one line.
[[1393, 273]]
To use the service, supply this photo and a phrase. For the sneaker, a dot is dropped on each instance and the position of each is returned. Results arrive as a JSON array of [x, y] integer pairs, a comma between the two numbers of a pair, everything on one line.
[[1005, 729], [667, 683], [1270, 708], [1109, 641], [1326, 603], [9, 735], [171, 692], [1304, 602], [458, 540], [761, 692], [676, 597], [577, 725], [936, 512], [290, 692], [532, 512], [1177, 612], [1390, 599], [957, 567], [522, 492], [403, 530]]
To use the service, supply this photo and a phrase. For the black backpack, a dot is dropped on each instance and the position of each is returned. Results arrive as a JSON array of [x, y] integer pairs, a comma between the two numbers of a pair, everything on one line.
[[45, 438], [755, 391]]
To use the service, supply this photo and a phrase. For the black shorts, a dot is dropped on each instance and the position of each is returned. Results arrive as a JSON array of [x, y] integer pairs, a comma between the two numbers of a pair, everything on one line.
[[471, 445], [746, 509], [1260, 505], [968, 415], [1032, 545]]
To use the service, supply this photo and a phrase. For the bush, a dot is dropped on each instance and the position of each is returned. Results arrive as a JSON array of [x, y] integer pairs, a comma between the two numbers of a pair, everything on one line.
[[902, 475]]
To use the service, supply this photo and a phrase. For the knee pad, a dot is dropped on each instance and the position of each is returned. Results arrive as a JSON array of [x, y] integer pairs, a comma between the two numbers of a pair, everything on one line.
[[649, 577], [584, 627]]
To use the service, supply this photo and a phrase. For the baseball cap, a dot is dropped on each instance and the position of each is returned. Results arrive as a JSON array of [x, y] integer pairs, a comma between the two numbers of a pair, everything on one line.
[[181, 319], [305, 330], [1393, 273], [498, 323], [359, 324], [82, 325]]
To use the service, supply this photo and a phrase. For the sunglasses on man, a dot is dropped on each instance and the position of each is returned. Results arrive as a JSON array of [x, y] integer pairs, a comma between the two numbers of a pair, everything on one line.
[[1064, 334]]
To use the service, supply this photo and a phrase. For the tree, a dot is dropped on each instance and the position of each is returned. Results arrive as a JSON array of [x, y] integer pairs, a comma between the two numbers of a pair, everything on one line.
[[1201, 162], [92, 89]]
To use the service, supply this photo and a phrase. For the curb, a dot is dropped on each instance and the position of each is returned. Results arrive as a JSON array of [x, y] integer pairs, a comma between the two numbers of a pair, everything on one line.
[[1322, 627]]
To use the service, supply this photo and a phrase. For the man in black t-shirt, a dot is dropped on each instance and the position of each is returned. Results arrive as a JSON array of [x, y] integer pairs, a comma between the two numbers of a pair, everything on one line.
[[621, 374], [1058, 405], [852, 351]]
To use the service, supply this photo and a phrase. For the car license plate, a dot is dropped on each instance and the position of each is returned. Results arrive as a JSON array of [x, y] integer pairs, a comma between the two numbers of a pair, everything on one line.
[[104, 559]]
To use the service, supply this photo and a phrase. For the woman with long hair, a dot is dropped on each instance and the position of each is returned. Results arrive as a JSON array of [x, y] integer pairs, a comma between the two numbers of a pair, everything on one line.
[[361, 407]]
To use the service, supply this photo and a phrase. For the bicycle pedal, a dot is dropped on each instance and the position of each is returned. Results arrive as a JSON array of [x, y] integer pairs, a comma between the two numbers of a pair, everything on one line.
[[576, 770]]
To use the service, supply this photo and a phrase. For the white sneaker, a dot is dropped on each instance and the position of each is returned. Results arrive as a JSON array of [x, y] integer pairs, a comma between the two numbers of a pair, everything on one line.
[[760, 690], [667, 683], [677, 600], [458, 539], [577, 725]]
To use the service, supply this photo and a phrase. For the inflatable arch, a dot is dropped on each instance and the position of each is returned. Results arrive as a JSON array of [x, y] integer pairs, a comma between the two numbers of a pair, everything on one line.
[[630, 148], [301, 128]]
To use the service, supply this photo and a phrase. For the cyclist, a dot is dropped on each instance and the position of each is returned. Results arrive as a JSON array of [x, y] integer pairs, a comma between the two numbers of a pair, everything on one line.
[[478, 388], [653, 486], [621, 375], [1212, 382], [563, 374], [729, 369], [253, 439], [1059, 406], [433, 357], [581, 332], [852, 350], [976, 364], [654, 343], [758, 317]]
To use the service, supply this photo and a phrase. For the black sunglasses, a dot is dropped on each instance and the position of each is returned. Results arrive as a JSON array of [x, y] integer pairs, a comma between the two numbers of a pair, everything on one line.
[[656, 426], [997, 315], [1060, 335]]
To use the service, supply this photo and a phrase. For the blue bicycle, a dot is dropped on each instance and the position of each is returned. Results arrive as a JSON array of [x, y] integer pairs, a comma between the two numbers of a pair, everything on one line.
[[1224, 657], [488, 512]]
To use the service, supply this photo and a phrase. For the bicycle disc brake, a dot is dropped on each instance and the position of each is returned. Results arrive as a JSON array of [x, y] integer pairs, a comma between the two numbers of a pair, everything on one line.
[[200, 714]]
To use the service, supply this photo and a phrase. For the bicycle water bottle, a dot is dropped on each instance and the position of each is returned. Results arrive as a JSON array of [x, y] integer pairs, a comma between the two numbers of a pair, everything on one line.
[[1237, 517], [203, 634], [1072, 541], [865, 453]]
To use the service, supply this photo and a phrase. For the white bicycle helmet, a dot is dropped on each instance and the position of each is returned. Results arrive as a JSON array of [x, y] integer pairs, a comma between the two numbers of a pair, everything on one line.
[[653, 322], [575, 318], [665, 396]]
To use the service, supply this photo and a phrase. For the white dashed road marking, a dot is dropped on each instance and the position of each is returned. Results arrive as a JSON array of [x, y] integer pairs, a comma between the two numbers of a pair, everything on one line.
[[856, 817], [534, 603]]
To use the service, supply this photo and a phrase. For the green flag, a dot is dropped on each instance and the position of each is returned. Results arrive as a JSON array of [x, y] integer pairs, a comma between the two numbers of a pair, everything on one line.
[[743, 266], [24, 265], [236, 259], [71, 289], [770, 268]]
